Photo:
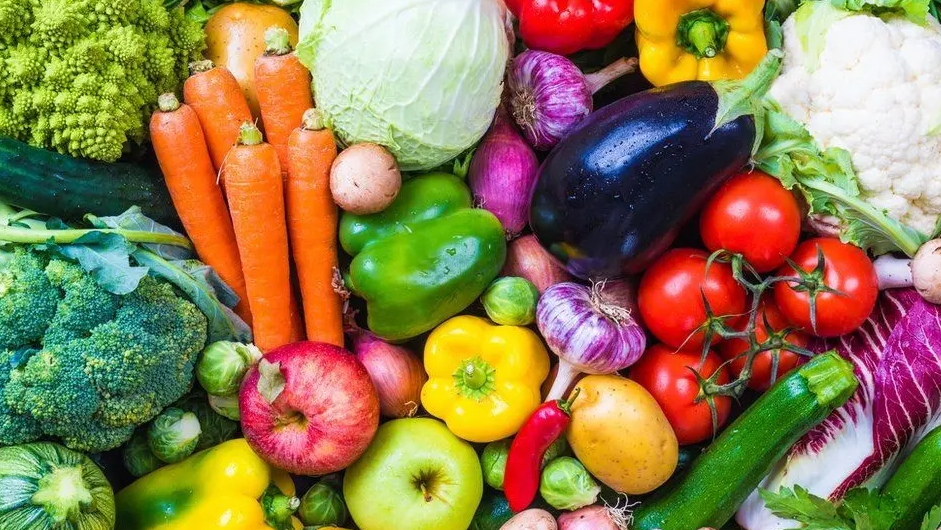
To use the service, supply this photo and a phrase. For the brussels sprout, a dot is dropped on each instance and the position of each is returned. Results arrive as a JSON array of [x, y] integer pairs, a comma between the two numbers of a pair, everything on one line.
[[223, 365], [493, 462], [560, 447], [511, 301], [173, 436], [139, 460], [567, 485], [215, 427], [226, 406], [322, 505]]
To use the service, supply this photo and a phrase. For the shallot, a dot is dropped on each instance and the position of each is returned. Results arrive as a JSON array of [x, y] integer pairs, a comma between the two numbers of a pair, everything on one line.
[[526, 258], [595, 518], [395, 371]]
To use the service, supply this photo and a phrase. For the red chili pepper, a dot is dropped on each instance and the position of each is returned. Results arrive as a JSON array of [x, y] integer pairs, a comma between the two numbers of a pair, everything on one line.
[[567, 26], [524, 461]]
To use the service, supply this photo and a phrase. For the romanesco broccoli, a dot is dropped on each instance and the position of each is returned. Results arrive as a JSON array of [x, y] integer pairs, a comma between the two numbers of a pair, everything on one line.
[[84, 365], [82, 76]]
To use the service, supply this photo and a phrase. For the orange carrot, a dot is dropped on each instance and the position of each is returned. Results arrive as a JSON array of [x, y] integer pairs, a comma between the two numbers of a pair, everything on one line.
[[312, 225], [282, 84], [256, 201], [187, 168], [218, 100]]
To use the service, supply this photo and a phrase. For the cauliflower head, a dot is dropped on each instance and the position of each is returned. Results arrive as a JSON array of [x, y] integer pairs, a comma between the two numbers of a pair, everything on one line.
[[85, 366], [81, 77], [871, 86]]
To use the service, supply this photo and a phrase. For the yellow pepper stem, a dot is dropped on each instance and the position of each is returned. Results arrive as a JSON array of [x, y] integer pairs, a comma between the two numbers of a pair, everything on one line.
[[475, 378], [702, 33]]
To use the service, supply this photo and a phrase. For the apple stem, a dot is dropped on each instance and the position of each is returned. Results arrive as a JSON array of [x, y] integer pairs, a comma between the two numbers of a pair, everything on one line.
[[425, 493]]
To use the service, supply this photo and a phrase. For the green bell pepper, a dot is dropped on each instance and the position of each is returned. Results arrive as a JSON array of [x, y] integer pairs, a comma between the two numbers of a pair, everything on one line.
[[424, 259]]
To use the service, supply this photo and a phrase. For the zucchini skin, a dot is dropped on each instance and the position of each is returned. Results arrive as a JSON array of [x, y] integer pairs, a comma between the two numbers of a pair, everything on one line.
[[916, 485], [734, 465], [69, 188]]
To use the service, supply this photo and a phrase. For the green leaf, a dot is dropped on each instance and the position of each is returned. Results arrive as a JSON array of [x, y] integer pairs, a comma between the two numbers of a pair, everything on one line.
[[107, 258], [868, 510], [914, 10], [800, 505], [932, 519], [134, 219]]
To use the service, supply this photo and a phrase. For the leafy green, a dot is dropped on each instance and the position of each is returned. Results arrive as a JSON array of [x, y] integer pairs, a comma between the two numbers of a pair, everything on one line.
[[861, 509], [135, 220], [828, 182], [932, 519], [914, 10], [107, 258]]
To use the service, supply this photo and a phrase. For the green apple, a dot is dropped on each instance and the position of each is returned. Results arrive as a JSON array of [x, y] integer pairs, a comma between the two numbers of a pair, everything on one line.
[[415, 475]]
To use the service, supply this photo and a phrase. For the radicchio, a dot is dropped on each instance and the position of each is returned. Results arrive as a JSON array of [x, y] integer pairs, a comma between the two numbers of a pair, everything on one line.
[[897, 359]]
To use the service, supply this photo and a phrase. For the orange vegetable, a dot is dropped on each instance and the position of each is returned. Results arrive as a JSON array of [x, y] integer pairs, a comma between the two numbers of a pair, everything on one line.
[[235, 38], [282, 84], [218, 101], [256, 201], [187, 168], [312, 226]]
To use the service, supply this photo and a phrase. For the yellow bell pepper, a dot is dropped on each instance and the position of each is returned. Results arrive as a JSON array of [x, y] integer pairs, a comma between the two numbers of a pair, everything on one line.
[[682, 40], [227, 487], [483, 379]]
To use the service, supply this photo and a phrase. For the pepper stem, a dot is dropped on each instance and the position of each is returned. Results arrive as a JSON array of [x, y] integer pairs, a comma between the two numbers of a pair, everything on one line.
[[278, 508], [475, 378], [702, 33], [565, 405]]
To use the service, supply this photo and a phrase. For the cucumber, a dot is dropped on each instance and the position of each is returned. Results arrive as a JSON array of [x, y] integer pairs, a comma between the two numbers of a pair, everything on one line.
[[734, 465], [69, 188], [915, 488]]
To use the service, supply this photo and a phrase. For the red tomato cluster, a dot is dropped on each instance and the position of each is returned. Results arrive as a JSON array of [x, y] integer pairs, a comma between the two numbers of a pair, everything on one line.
[[833, 291]]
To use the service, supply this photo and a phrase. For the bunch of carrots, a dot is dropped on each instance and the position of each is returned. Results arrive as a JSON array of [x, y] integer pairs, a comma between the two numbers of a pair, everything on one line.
[[249, 206]]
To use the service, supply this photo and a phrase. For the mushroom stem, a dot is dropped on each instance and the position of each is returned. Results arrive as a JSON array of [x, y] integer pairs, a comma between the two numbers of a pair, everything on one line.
[[893, 273]]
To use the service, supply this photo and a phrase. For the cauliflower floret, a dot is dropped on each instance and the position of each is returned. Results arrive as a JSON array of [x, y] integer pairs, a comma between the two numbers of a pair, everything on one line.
[[875, 91]]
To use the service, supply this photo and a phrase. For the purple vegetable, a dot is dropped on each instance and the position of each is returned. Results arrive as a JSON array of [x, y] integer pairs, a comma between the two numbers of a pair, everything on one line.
[[897, 358], [549, 95], [588, 333], [502, 174]]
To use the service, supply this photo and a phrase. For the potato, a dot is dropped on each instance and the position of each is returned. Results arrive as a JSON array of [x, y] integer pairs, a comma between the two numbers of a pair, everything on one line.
[[533, 519], [365, 179], [621, 435]]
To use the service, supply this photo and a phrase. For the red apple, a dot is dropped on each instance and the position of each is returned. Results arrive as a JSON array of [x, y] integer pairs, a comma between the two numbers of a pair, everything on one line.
[[309, 408]]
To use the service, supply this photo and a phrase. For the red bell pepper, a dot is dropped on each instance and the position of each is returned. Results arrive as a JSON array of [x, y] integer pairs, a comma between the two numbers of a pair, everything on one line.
[[524, 461], [567, 26]]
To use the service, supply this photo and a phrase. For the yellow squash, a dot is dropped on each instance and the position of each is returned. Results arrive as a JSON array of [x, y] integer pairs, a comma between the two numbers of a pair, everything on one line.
[[681, 40], [483, 379]]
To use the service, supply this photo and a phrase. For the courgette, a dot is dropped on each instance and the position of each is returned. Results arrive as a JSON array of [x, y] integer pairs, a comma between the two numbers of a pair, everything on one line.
[[915, 487], [734, 465], [69, 188]]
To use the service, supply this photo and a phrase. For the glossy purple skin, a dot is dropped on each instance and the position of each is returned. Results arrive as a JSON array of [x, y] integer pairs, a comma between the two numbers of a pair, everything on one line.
[[580, 334], [548, 97]]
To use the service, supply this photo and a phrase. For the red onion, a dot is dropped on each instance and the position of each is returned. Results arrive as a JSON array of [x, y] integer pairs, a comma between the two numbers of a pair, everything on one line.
[[595, 518], [395, 371], [526, 258], [549, 95], [502, 174], [587, 332]]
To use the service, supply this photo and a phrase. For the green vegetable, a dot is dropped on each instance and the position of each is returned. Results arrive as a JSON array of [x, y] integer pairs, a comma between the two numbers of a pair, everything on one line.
[[83, 76], [173, 435], [829, 184], [139, 460], [215, 428], [492, 513], [737, 461], [64, 187], [567, 485], [511, 301], [322, 505], [493, 462], [226, 406], [860, 509], [48, 487], [424, 259], [932, 520], [916, 486], [223, 365], [367, 71]]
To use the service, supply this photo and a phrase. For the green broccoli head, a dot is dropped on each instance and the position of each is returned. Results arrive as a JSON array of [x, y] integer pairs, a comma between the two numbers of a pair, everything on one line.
[[82, 76], [95, 366]]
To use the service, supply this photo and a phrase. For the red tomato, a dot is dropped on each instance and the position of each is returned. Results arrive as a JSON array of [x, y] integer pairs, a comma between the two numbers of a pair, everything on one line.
[[761, 367], [847, 269], [665, 374], [753, 215], [670, 297]]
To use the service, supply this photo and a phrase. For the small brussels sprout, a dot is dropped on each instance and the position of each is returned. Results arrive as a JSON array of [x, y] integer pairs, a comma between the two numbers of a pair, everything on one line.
[[493, 462], [215, 427], [567, 485], [173, 436], [560, 447], [223, 365], [511, 301], [226, 406], [322, 505], [139, 460]]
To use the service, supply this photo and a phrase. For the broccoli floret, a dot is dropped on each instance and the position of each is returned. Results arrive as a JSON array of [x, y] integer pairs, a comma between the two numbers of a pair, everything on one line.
[[105, 363], [82, 76]]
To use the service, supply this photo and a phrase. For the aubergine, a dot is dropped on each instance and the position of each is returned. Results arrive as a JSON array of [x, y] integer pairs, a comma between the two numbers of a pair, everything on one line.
[[612, 195]]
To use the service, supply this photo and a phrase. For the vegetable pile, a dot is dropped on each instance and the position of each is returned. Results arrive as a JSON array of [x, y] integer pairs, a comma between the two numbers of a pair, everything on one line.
[[470, 265]]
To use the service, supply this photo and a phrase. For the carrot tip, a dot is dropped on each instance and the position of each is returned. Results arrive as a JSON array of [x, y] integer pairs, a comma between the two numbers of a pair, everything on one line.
[[313, 120], [249, 134], [277, 41], [168, 102], [198, 67]]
